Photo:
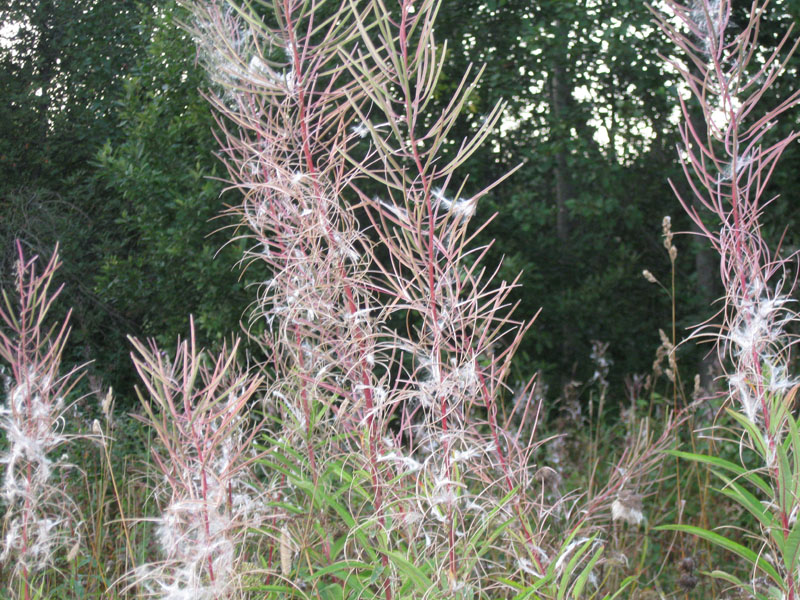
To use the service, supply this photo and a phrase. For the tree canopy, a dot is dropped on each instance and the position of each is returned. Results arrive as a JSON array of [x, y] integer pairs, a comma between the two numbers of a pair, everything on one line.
[[107, 145]]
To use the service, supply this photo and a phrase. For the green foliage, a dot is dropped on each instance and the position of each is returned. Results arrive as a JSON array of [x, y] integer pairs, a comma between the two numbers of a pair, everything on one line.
[[61, 81], [574, 73], [116, 164], [118, 143], [610, 84], [166, 255]]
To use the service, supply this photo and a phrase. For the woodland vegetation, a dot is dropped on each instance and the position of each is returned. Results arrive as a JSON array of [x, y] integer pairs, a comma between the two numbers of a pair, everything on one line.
[[399, 299]]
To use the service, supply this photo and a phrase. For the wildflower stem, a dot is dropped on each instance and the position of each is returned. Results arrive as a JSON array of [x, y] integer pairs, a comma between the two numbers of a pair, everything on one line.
[[123, 519]]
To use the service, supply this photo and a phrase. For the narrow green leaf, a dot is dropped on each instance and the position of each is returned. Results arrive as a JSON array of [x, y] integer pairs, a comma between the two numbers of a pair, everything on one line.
[[529, 594], [581, 580], [481, 530], [288, 507], [570, 568], [323, 499], [526, 592], [285, 590], [747, 500], [723, 542], [792, 448], [623, 584], [786, 480], [790, 546], [415, 575], [755, 434], [715, 461], [332, 591], [510, 583], [717, 574]]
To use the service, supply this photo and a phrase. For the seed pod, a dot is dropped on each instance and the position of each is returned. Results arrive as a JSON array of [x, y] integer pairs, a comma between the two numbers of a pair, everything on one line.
[[687, 582], [687, 565], [286, 552]]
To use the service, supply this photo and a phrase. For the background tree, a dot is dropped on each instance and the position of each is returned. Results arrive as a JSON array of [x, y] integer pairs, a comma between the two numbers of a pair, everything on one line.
[[587, 110], [168, 258], [106, 144], [63, 67], [594, 125]]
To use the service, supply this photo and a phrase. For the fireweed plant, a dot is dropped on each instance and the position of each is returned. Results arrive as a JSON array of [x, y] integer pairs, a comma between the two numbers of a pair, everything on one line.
[[729, 153], [388, 468], [40, 519], [195, 405]]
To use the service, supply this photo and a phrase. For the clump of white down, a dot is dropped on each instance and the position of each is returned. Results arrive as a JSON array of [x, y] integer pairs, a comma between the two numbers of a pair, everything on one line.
[[32, 423], [627, 507], [201, 529], [756, 336], [707, 18], [233, 60], [461, 208]]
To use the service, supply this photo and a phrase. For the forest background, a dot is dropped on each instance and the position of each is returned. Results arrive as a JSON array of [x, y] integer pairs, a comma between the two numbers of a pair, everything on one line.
[[107, 146]]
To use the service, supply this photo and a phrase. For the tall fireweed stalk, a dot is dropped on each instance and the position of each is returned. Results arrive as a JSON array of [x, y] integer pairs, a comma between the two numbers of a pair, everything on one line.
[[388, 341], [40, 519], [204, 453], [729, 153]]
